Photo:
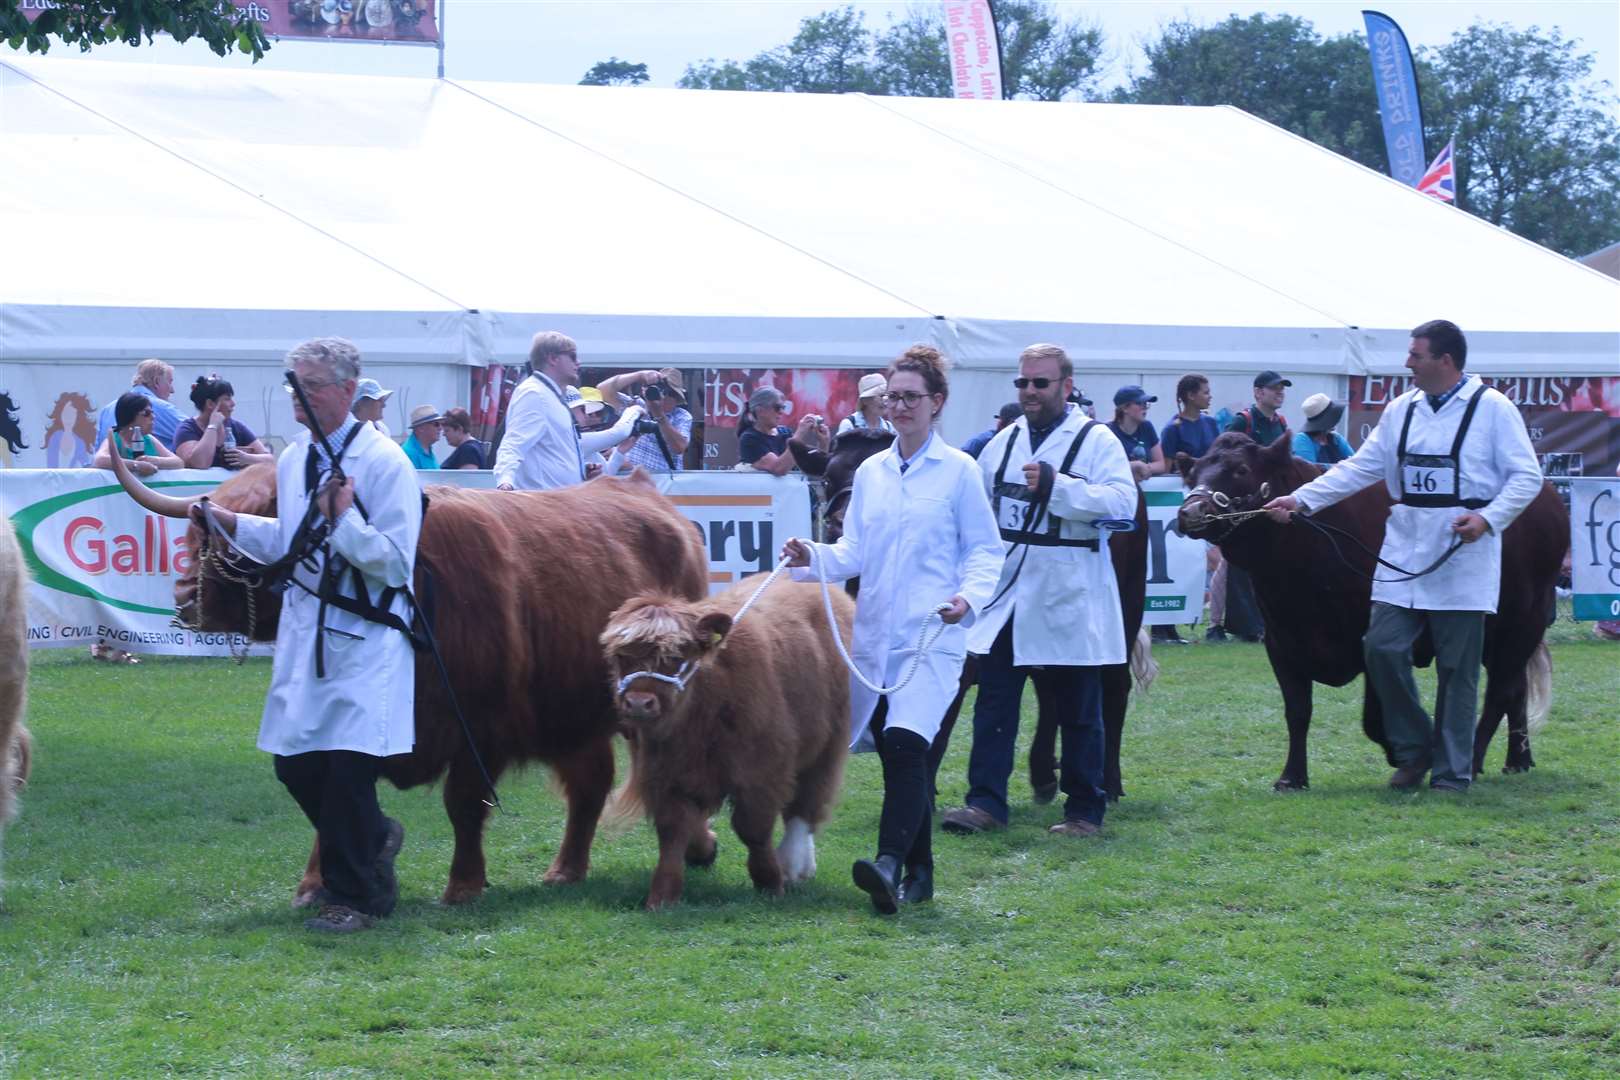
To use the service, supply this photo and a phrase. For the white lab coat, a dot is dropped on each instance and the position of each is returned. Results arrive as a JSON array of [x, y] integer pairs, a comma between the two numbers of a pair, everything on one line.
[[542, 449], [1497, 463], [915, 540], [367, 701], [1065, 604]]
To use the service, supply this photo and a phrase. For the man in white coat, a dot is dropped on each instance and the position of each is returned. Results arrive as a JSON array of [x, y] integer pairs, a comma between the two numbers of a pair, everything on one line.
[[342, 686], [1051, 475], [1456, 458], [543, 448]]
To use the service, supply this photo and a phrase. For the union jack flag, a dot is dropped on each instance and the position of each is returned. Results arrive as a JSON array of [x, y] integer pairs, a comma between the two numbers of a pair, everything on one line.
[[1441, 180]]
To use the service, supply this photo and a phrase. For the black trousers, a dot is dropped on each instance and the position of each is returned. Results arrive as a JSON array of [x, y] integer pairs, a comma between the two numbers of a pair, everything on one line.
[[906, 825], [337, 790]]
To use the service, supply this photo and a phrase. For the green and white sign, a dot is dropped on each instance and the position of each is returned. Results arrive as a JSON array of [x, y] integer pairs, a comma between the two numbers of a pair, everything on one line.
[[1594, 542]]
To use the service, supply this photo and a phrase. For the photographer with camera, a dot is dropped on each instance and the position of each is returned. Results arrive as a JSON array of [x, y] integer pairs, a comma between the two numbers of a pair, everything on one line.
[[662, 437]]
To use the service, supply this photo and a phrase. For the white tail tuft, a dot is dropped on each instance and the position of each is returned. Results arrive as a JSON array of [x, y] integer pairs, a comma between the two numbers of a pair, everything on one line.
[[624, 806], [1143, 666], [1539, 692]]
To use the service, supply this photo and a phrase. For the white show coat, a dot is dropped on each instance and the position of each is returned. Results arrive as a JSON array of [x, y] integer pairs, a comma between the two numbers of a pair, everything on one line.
[[367, 701], [1065, 605], [1497, 463], [915, 540], [542, 448]]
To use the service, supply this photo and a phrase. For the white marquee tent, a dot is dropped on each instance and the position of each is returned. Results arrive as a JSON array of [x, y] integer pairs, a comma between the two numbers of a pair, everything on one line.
[[216, 216]]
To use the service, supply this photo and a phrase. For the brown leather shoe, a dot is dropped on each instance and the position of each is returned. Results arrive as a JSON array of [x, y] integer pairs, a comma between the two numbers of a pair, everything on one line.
[[967, 820], [1074, 827], [339, 919], [1408, 777]]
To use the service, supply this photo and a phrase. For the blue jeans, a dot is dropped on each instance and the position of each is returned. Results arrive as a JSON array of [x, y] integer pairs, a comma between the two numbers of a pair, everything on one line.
[[1077, 692]]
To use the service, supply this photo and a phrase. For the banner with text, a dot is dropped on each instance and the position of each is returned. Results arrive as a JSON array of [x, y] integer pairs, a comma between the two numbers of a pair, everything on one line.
[[1594, 541], [397, 21], [1176, 563], [1395, 81], [975, 50], [831, 393], [1574, 423], [104, 569]]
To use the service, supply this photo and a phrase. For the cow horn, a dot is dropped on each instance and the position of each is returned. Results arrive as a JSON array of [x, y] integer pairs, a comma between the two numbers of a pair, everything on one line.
[[167, 505]]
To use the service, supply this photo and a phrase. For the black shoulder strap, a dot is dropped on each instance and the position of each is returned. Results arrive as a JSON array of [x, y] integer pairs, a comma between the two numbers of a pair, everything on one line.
[[1406, 425], [1074, 447], [1006, 456], [1467, 418]]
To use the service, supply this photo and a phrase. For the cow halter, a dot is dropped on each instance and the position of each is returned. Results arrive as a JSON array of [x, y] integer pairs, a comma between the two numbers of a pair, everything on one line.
[[1236, 511]]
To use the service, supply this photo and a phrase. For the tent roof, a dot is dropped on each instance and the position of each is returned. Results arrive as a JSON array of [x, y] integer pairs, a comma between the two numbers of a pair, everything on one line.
[[721, 229]]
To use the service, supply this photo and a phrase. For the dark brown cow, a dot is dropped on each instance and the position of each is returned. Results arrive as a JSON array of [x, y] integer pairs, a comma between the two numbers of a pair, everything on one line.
[[763, 721], [501, 573], [1316, 608], [1129, 552]]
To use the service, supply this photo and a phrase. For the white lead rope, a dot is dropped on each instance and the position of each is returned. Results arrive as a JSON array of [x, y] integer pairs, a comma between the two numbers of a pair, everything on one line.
[[925, 639]]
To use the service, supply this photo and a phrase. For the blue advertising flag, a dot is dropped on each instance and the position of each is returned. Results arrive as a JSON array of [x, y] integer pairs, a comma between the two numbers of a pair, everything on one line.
[[1396, 83]]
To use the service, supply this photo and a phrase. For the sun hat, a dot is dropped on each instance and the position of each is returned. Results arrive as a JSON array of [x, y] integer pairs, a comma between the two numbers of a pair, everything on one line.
[[1321, 413], [425, 414], [872, 385], [371, 388]]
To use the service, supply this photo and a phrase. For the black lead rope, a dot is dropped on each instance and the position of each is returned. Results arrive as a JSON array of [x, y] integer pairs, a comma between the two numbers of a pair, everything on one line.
[[1407, 575]]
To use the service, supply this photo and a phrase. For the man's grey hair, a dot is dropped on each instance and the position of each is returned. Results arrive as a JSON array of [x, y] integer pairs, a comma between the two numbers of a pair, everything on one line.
[[335, 354], [148, 372], [549, 343]]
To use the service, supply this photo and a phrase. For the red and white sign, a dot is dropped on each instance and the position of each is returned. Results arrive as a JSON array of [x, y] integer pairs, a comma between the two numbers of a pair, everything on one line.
[[975, 50]]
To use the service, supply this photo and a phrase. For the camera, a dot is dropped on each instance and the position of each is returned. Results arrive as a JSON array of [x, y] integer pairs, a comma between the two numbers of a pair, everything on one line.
[[645, 427], [655, 392]]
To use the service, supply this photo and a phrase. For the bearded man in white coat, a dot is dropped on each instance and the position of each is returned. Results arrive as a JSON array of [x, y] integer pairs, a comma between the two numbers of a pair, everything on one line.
[[1457, 459], [1051, 475], [342, 686]]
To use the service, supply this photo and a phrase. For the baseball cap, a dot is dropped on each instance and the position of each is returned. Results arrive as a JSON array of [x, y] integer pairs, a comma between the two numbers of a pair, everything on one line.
[[371, 388], [1270, 378], [1009, 412], [1132, 395]]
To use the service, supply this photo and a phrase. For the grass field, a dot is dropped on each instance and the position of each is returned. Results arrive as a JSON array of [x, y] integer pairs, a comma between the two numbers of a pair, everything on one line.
[[1216, 929]]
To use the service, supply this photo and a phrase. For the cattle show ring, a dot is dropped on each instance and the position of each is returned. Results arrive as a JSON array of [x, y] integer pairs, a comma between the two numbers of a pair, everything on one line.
[[627, 821]]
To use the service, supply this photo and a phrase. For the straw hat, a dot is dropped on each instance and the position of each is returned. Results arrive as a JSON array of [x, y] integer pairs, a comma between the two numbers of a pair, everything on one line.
[[425, 414]]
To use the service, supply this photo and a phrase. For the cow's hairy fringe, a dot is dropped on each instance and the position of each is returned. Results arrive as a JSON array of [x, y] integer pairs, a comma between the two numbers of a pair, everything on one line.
[[1143, 666], [1539, 689]]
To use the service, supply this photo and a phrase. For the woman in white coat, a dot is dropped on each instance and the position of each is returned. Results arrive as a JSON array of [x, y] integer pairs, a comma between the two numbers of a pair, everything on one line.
[[920, 535]]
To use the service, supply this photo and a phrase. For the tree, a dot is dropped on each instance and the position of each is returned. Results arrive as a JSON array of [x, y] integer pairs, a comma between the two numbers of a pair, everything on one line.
[[1044, 57], [615, 72], [1538, 147], [97, 22], [1277, 68]]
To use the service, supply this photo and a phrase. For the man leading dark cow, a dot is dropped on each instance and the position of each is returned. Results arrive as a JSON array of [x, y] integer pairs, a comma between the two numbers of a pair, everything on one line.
[[1450, 444], [497, 575]]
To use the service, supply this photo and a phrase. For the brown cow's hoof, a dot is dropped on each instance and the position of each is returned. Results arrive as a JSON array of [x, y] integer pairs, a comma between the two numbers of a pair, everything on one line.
[[308, 894], [1511, 769], [703, 851], [461, 892], [657, 903], [1285, 784], [559, 875]]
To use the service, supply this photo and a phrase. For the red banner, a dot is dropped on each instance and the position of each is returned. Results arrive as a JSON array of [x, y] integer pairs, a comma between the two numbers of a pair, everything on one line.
[[1574, 424], [346, 20]]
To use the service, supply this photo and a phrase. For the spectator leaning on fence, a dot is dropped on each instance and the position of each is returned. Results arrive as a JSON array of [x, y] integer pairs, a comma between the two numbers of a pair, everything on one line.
[[466, 452], [215, 439], [155, 379], [1189, 432], [131, 438], [1319, 442], [762, 438], [1135, 431]]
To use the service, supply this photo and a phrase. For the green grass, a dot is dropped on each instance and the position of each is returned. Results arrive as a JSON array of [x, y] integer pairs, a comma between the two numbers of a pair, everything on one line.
[[1217, 929]]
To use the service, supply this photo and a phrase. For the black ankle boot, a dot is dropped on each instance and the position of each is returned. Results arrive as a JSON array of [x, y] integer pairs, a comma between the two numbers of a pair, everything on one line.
[[918, 885], [879, 878]]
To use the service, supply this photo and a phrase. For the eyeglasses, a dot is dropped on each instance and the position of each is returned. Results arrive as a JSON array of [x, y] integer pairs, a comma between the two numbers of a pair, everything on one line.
[[1039, 384], [310, 385], [907, 398]]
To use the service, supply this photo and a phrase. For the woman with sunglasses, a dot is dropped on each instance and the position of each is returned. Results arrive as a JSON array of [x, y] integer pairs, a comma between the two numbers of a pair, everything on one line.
[[131, 438], [920, 535]]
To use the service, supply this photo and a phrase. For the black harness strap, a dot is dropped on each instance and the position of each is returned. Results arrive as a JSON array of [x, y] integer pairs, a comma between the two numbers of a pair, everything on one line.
[[1442, 499], [1035, 511]]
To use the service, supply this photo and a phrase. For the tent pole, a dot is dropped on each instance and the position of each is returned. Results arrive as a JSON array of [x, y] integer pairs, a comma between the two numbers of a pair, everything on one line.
[[442, 5]]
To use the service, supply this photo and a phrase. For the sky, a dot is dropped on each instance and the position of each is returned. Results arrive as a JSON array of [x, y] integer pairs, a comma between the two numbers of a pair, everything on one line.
[[557, 41]]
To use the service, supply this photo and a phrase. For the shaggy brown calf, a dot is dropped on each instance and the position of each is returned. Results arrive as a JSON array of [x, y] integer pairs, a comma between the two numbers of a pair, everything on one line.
[[763, 720], [14, 745]]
